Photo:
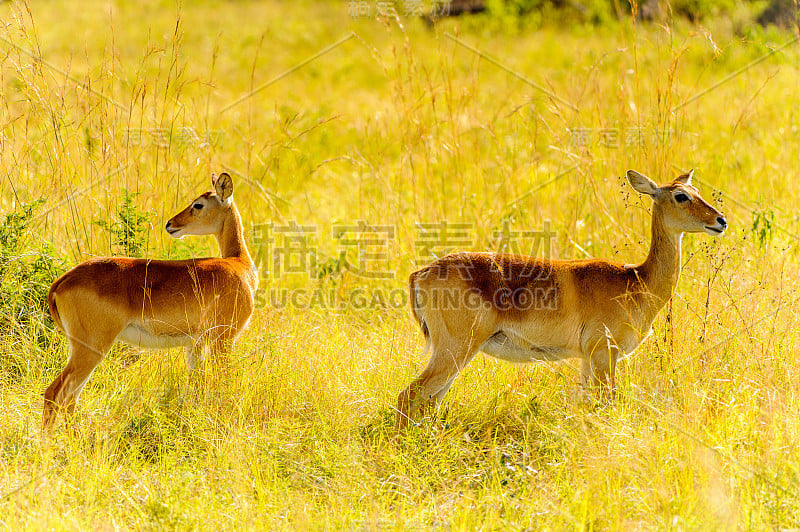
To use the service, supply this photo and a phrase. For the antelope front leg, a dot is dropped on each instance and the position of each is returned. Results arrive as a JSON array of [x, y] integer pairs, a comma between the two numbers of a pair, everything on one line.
[[195, 360], [209, 353], [597, 372], [219, 353]]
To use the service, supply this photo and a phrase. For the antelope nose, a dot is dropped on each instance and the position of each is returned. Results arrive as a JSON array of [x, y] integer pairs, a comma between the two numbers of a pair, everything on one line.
[[720, 220], [169, 224]]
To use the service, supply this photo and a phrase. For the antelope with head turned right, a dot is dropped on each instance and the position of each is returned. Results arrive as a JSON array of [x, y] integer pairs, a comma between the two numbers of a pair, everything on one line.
[[522, 309]]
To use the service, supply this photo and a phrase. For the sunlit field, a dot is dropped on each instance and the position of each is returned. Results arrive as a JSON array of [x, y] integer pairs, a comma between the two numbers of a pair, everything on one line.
[[361, 148]]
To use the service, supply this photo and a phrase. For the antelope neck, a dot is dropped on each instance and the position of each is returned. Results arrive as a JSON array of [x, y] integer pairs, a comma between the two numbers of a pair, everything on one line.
[[662, 267], [231, 238]]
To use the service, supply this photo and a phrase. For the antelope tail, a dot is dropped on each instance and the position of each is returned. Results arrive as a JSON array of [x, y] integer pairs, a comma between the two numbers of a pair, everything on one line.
[[51, 302], [417, 309]]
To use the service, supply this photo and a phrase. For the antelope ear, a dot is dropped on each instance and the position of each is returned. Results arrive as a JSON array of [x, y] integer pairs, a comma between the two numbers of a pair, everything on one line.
[[685, 179], [223, 186], [641, 183]]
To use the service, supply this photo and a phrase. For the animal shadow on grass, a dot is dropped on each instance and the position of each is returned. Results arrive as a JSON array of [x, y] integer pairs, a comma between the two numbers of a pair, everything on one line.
[[536, 424], [157, 422]]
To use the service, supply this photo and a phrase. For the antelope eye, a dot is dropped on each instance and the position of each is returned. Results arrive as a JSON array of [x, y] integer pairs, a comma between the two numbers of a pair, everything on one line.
[[198, 206], [680, 197]]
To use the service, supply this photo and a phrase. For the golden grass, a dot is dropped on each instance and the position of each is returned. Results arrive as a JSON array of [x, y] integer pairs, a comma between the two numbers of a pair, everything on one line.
[[400, 125]]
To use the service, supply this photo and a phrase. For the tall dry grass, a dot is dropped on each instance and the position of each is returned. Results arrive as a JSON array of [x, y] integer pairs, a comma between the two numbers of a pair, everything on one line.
[[401, 125]]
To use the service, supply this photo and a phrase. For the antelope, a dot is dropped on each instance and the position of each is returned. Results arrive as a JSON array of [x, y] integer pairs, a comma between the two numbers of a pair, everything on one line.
[[524, 309], [195, 303]]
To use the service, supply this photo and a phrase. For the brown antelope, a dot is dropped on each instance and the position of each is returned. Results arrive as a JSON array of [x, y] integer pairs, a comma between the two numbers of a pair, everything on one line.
[[192, 303], [522, 309]]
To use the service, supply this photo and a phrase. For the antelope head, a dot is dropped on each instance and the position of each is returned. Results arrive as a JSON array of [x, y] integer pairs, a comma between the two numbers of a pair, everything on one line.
[[207, 214], [682, 208]]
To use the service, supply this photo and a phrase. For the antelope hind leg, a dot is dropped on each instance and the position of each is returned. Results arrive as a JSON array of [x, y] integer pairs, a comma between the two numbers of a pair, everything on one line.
[[63, 392], [427, 391]]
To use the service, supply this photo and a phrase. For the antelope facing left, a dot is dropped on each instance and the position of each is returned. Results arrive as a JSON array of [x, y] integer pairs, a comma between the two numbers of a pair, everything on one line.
[[194, 303], [522, 309]]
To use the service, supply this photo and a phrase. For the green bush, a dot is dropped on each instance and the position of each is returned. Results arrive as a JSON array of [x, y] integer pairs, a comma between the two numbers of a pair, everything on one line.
[[28, 266], [129, 232], [517, 15]]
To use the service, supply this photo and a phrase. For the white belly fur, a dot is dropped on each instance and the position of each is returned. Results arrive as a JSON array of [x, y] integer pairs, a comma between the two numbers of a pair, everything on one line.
[[503, 347], [136, 335]]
